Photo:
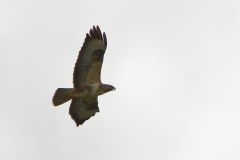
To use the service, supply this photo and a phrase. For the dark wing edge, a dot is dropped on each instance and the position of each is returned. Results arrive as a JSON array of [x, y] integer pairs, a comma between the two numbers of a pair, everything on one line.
[[81, 110], [84, 56]]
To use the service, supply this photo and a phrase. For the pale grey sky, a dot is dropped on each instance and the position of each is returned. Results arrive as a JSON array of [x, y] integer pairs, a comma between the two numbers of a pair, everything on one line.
[[175, 64]]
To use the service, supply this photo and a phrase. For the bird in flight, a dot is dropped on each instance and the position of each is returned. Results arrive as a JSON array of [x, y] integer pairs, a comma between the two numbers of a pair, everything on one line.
[[87, 85]]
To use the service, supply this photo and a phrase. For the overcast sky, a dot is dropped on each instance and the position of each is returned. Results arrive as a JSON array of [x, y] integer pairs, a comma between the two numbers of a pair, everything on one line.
[[175, 64]]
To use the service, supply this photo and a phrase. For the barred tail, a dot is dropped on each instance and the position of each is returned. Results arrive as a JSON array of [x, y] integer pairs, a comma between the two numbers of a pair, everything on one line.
[[61, 96]]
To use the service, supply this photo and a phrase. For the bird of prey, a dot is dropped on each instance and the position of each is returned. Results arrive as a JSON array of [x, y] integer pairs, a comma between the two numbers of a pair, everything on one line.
[[87, 85]]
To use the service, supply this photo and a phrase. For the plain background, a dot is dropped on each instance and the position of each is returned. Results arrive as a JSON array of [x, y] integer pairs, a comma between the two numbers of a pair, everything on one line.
[[175, 64]]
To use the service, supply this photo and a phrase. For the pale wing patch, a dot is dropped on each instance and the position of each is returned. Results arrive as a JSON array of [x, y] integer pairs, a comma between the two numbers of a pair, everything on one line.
[[85, 60], [84, 114], [92, 46], [94, 73], [95, 45], [79, 112]]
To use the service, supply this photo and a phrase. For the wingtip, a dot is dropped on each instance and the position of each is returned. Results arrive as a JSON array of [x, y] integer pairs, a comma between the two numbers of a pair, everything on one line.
[[104, 39], [80, 122], [95, 33]]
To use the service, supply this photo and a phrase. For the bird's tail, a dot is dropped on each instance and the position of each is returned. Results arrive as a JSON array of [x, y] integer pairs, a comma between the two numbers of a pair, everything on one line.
[[62, 95]]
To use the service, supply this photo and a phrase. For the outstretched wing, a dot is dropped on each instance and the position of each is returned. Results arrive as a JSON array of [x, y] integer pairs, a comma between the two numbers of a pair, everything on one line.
[[81, 110], [89, 63]]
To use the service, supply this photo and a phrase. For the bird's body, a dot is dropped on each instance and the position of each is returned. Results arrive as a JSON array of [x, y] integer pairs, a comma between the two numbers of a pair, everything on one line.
[[86, 79], [86, 91]]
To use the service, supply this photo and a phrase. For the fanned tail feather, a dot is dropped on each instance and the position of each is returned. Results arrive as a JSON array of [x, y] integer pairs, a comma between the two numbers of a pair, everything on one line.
[[61, 96]]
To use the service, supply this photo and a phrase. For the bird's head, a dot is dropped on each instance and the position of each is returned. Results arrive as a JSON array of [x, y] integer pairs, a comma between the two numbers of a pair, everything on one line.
[[108, 88]]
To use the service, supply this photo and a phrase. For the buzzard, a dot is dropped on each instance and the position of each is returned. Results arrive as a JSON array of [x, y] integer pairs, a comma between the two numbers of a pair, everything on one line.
[[87, 85]]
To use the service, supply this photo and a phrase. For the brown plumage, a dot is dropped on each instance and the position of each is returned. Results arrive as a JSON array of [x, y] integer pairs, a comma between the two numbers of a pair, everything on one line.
[[86, 79]]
